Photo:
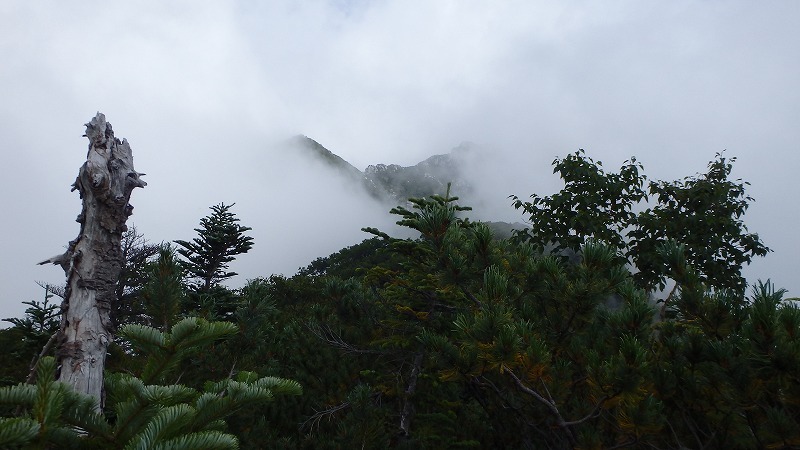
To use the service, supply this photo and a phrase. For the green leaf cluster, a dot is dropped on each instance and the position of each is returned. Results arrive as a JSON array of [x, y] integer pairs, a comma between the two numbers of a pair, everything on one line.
[[703, 213]]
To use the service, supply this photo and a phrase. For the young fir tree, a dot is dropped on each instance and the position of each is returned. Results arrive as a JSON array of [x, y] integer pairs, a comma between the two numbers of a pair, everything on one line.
[[163, 293], [30, 338], [220, 239], [137, 253]]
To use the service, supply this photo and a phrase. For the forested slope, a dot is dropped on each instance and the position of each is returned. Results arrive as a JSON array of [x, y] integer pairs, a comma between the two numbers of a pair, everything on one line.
[[464, 339]]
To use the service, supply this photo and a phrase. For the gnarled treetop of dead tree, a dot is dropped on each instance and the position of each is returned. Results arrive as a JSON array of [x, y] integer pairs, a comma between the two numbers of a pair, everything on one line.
[[107, 154]]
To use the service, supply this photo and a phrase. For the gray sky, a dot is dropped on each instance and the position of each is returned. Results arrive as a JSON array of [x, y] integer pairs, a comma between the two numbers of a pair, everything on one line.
[[204, 90]]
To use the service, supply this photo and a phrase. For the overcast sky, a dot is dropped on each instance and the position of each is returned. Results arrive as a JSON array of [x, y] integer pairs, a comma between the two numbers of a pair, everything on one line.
[[203, 91]]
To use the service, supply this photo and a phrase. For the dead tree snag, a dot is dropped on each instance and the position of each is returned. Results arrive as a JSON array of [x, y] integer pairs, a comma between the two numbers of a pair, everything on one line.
[[94, 259]]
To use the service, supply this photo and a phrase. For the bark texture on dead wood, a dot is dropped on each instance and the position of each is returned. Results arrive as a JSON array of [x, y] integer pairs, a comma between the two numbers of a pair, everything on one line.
[[94, 259]]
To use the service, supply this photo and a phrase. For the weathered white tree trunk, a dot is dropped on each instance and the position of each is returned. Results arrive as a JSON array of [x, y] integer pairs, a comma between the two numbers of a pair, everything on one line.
[[93, 260]]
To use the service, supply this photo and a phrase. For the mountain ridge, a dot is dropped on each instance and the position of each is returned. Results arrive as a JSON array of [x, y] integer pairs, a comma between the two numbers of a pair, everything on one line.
[[396, 183]]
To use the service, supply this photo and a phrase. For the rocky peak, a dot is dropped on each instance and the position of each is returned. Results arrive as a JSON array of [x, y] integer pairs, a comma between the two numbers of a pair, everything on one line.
[[395, 183]]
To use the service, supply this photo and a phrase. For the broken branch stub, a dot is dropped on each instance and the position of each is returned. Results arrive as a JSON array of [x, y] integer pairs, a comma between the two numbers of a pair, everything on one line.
[[94, 259]]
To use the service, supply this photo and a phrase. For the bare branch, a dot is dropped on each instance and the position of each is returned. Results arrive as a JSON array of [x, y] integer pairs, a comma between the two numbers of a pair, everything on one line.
[[407, 410], [325, 333], [662, 314], [549, 404], [58, 291], [472, 298], [62, 260], [329, 412], [595, 412], [36, 359]]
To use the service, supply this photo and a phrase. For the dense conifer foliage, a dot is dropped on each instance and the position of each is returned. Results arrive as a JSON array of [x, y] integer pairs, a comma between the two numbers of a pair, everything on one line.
[[220, 239], [147, 411], [553, 338]]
